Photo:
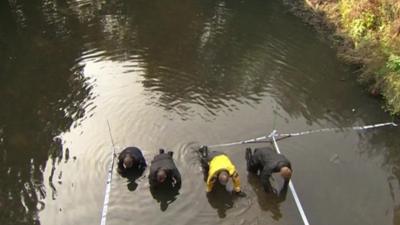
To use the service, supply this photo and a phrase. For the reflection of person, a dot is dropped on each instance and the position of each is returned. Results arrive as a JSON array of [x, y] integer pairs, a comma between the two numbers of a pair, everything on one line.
[[163, 172], [266, 161], [268, 201], [221, 200], [219, 169], [164, 196], [130, 159], [131, 164]]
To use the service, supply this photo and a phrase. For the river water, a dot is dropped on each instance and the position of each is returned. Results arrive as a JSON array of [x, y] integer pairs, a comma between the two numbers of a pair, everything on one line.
[[176, 75]]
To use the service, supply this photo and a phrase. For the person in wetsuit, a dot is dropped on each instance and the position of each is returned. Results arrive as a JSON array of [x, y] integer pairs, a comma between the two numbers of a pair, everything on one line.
[[164, 179], [265, 161], [131, 165], [219, 168], [131, 159], [163, 172]]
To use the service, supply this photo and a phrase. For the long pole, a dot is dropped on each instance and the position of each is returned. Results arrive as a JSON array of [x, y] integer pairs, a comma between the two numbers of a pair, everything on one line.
[[291, 186], [278, 137], [109, 179]]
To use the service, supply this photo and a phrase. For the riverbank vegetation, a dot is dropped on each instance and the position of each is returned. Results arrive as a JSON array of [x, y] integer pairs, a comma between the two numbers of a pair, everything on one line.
[[367, 33]]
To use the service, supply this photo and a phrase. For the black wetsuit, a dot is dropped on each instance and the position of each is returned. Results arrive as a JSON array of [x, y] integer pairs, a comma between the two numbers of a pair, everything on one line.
[[140, 162], [266, 161], [164, 161]]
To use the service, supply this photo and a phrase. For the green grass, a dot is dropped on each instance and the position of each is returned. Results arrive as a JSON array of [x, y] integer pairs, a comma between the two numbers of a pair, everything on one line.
[[374, 27]]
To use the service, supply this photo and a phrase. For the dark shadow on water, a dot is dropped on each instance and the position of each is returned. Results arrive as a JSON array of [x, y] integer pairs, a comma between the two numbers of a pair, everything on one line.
[[221, 199], [268, 201], [132, 176], [42, 93], [164, 195]]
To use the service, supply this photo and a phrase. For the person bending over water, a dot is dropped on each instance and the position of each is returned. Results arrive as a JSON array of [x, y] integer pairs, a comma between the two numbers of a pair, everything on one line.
[[265, 161], [131, 165], [163, 172], [164, 179], [131, 159], [219, 169]]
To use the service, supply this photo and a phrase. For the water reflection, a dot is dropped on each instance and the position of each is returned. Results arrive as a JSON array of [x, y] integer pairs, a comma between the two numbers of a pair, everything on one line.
[[202, 54], [193, 59], [40, 98], [132, 176], [221, 200], [267, 201], [383, 144], [189, 70], [164, 196]]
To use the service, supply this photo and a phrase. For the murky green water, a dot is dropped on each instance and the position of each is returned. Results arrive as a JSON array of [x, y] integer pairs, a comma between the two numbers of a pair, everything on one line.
[[177, 74]]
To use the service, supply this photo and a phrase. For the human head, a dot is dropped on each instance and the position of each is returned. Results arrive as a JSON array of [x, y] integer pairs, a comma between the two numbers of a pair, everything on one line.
[[286, 173], [161, 176], [128, 161], [223, 177]]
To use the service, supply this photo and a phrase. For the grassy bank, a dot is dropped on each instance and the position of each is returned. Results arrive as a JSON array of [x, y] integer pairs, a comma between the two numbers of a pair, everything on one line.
[[367, 34]]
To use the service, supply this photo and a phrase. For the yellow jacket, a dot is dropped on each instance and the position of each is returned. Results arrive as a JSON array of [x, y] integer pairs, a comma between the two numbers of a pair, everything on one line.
[[218, 163]]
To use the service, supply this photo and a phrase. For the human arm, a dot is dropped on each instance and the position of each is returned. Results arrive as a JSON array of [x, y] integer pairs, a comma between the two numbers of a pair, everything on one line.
[[283, 193], [210, 183], [236, 182], [120, 167], [176, 179], [152, 176], [265, 175], [142, 163]]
